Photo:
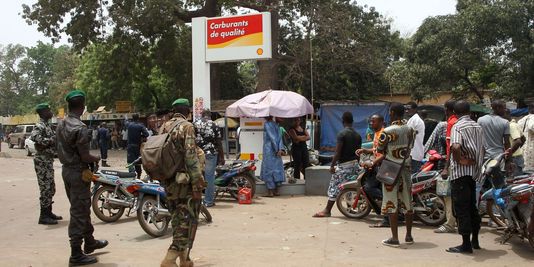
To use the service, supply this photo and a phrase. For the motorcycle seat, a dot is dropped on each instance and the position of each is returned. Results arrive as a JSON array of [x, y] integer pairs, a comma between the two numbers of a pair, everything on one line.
[[506, 191], [119, 174]]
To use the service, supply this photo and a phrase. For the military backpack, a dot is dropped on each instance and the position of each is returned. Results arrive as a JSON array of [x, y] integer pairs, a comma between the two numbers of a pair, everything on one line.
[[160, 155]]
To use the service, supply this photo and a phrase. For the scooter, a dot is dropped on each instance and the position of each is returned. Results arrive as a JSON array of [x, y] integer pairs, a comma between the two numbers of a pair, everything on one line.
[[354, 199], [230, 178], [152, 210], [109, 195], [516, 203]]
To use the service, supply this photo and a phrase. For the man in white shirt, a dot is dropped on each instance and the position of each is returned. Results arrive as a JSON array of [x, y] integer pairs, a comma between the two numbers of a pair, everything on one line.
[[418, 150], [526, 125]]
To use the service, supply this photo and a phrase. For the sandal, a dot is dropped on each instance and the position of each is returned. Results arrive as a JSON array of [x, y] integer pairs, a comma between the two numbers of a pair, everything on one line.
[[321, 214], [391, 243], [444, 229], [459, 249], [379, 225], [409, 240]]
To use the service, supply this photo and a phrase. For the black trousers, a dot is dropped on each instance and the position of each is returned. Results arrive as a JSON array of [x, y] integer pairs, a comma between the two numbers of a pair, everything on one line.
[[463, 193], [133, 153], [79, 195], [103, 150], [301, 160]]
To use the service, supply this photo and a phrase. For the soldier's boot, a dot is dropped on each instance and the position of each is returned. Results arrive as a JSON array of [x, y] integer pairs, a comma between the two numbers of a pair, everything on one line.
[[45, 219], [184, 261], [52, 215], [170, 258], [90, 247], [105, 164], [77, 257]]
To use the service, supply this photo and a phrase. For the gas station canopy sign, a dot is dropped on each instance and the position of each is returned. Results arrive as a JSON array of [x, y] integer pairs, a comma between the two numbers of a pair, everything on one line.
[[238, 38]]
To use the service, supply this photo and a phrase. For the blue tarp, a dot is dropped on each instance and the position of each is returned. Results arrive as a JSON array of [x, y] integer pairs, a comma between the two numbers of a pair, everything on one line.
[[519, 112], [331, 122]]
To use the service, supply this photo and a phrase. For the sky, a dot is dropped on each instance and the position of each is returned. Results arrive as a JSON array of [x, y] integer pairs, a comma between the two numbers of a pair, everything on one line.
[[407, 15]]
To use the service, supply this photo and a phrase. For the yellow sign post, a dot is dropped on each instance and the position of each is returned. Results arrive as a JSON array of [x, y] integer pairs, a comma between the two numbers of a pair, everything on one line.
[[123, 106]]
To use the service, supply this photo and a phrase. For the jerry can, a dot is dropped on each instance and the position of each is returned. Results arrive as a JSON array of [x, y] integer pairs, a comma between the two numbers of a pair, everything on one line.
[[245, 196]]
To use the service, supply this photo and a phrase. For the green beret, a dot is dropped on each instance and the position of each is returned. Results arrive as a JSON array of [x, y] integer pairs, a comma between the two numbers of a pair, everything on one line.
[[73, 94], [180, 102], [42, 106]]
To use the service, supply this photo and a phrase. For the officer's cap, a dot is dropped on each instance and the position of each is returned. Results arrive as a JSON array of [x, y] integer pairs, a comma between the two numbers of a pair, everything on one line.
[[73, 94], [180, 102], [42, 106]]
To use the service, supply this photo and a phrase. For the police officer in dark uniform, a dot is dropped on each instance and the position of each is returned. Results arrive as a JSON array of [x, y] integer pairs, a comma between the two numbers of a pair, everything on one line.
[[73, 152]]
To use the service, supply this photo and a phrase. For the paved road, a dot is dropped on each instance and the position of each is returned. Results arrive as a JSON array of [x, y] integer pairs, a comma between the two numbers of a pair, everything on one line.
[[270, 232]]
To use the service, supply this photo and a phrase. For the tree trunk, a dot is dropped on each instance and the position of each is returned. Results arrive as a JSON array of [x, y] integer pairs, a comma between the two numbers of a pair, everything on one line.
[[268, 69]]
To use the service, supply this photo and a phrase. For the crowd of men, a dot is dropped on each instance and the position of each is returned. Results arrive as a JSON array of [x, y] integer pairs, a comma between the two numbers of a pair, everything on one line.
[[71, 142], [465, 143]]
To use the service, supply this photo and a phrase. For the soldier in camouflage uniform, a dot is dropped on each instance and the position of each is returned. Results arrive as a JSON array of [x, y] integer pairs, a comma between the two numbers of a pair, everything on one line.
[[44, 138], [184, 191]]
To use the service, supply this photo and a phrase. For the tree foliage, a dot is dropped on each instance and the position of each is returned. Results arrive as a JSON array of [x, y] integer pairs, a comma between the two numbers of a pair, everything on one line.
[[32, 75], [487, 45], [155, 29]]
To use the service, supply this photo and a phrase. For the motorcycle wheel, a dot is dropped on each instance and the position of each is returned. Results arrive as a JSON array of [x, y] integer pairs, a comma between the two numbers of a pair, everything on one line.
[[105, 211], [346, 199], [436, 216], [494, 212], [205, 215], [240, 181], [147, 214]]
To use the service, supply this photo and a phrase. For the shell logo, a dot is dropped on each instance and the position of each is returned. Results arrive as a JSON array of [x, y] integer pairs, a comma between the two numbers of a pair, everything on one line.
[[259, 51]]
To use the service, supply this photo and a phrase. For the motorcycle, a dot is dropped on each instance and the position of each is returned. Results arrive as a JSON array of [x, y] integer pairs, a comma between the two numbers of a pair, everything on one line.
[[152, 210], [109, 195], [354, 199], [433, 161], [516, 203], [230, 178]]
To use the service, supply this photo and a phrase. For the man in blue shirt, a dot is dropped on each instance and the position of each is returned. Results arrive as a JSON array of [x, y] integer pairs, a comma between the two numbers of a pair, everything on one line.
[[136, 133], [102, 137]]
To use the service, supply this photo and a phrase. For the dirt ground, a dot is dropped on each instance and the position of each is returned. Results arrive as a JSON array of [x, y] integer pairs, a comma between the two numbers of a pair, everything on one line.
[[270, 232]]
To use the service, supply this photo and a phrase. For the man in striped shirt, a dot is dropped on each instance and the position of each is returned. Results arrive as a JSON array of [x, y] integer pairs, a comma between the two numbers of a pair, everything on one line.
[[467, 156]]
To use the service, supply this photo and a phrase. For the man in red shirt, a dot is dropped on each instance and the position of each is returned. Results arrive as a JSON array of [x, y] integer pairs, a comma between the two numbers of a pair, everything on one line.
[[450, 224]]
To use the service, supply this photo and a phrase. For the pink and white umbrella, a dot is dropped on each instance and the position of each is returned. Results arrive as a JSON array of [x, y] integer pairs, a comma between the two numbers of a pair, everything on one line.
[[281, 104]]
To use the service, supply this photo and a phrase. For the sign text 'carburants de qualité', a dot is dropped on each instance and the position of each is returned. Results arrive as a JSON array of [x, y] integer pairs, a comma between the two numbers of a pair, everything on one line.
[[238, 38]]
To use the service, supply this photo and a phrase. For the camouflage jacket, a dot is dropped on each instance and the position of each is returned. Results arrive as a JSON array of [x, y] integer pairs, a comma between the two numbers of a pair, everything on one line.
[[44, 138], [184, 137]]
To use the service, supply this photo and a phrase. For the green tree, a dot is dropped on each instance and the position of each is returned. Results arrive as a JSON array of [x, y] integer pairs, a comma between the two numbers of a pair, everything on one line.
[[487, 45], [13, 82]]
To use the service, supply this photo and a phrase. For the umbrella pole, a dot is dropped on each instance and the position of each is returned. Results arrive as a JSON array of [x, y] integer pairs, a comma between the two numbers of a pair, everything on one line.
[[226, 136]]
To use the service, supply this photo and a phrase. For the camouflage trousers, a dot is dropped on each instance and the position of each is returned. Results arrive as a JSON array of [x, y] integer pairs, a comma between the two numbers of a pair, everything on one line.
[[181, 210], [44, 167]]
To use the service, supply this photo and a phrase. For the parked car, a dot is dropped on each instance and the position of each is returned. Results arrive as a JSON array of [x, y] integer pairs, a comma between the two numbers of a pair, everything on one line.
[[19, 135], [29, 145]]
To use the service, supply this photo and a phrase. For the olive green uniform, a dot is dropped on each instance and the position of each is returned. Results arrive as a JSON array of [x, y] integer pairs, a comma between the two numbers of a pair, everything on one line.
[[179, 190], [72, 141]]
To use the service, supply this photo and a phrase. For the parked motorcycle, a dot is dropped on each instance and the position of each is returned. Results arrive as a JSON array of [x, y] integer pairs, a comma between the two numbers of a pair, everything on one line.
[[152, 211], [433, 161], [230, 178], [516, 203], [109, 195], [354, 200]]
